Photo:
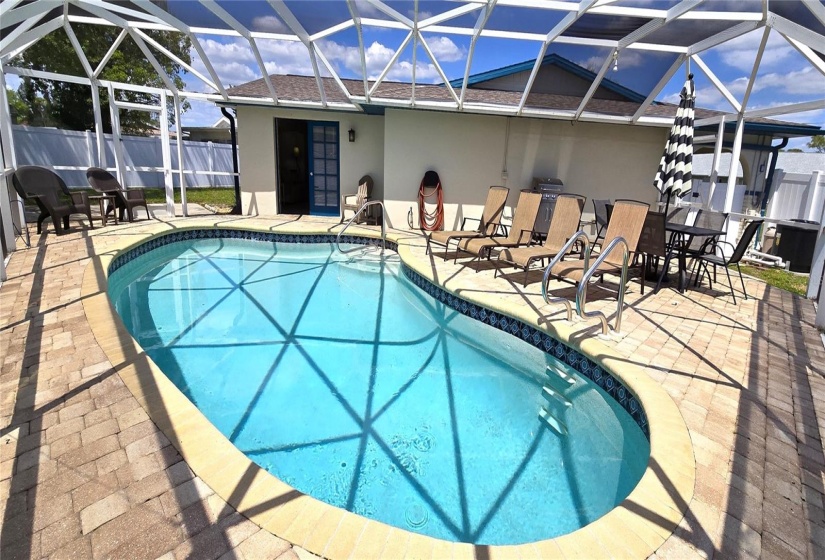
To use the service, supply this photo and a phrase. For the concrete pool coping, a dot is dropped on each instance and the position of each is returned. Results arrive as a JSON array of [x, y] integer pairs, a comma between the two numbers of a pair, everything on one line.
[[635, 528]]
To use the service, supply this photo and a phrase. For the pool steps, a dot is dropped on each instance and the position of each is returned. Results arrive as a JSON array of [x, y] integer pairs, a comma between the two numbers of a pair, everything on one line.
[[560, 373], [552, 422], [551, 395], [555, 397]]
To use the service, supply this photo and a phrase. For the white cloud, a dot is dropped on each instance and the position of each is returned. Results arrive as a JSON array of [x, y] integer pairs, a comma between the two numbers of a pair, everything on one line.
[[270, 24], [445, 50], [402, 71], [740, 53], [235, 63]]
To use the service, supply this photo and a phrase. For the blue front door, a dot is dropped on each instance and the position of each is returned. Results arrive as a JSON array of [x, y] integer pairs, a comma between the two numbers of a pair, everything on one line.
[[324, 169]]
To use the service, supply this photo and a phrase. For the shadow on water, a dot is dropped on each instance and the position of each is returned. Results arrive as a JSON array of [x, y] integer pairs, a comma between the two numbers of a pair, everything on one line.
[[462, 529]]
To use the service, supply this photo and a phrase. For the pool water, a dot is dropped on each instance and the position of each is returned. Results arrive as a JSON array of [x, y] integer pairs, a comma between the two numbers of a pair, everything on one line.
[[339, 376]]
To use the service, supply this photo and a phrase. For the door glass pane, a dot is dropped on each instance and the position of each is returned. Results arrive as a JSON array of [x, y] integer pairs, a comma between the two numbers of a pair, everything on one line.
[[319, 166], [320, 198], [332, 151], [317, 133], [332, 167], [318, 151], [331, 134], [320, 182]]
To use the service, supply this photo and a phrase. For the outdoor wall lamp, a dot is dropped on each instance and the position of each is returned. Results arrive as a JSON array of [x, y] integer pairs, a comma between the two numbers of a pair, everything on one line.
[[351, 135]]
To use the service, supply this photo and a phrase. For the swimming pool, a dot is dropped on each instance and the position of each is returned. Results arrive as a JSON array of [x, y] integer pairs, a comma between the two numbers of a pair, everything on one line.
[[350, 383]]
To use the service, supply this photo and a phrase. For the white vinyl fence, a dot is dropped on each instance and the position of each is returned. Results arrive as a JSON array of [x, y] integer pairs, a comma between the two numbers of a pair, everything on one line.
[[207, 164], [797, 196]]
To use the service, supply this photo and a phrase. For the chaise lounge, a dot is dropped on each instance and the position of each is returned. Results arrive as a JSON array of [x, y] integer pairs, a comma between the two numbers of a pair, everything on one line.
[[564, 223], [489, 222], [521, 232]]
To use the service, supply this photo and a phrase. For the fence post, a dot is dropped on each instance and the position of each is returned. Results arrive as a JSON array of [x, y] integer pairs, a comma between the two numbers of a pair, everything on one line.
[[89, 150], [815, 196], [815, 283], [210, 151]]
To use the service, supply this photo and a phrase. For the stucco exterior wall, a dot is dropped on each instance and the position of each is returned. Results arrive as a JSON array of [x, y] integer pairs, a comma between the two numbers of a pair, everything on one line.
[[256, 147], [468, 152]]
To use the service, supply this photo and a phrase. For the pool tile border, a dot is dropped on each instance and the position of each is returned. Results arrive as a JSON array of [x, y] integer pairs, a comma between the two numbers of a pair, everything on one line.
[[635, 528], [541, 340]]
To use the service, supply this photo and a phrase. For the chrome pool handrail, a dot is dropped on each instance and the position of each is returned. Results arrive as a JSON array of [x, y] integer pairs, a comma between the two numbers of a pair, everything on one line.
[[581, 292], [383, 226], [561, 254]]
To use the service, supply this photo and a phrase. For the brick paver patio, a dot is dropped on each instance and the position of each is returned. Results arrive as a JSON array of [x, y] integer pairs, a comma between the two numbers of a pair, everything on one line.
[[84, 472]]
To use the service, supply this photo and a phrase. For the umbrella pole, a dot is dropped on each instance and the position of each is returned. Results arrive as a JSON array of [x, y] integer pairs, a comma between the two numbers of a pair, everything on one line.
[[667, 203]]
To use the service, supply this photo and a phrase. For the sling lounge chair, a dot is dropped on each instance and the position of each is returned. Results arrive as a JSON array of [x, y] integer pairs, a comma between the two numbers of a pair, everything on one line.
[[566, 217], [626, 222], [126, 200], [521, 232], [354, 202], [488, 223], [50, 193]]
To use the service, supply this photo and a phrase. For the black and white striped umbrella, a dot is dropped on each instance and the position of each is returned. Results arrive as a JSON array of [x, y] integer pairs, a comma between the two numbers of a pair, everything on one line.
[[674, 175]]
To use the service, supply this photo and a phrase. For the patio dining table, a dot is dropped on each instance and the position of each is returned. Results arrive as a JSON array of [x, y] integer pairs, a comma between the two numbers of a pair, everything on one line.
[[684, 233]]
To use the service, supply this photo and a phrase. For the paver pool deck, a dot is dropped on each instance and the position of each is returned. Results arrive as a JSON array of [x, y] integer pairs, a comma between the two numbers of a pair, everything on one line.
[[87, 469]]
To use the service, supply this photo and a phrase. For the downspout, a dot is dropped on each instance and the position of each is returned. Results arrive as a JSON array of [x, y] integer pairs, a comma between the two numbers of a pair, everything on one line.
[[234, 138], [769, 180]]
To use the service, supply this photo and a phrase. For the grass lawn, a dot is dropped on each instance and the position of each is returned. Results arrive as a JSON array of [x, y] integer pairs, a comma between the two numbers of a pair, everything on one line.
[[789, 281], [212, 196]]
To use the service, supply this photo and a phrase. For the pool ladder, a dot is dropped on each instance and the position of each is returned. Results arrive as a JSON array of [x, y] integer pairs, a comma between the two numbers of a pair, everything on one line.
[[556, 397], [366, 205], [589, 271]]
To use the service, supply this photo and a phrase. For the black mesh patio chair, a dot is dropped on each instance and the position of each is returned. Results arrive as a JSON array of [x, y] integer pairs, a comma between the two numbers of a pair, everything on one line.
[[601, 217], [51, 195], [717, 258], [126, 200], [652, 247], [678, 215], [710, 220]]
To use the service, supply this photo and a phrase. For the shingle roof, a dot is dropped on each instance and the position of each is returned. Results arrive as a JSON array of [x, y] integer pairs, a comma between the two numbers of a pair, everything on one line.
[[304, 88]]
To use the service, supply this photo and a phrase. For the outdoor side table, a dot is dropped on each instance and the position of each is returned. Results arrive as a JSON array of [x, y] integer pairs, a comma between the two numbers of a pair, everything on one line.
[[101, 201]]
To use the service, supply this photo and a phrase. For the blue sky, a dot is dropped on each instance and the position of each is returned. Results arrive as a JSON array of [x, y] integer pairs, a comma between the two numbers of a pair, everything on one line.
[[784, 75]]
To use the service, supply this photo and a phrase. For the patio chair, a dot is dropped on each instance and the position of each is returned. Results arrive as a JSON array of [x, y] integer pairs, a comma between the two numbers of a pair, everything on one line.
[[489, 222], [126, 200], [717, 258], [678, 215], [564, 223], [50, 192], [600, 217], [626, 221], [652, 246], [521, 232], [354, 202], [705, 219]]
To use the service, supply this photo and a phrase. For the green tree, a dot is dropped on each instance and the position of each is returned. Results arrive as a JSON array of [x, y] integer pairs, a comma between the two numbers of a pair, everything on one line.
[[794, 150], [817, 144], [69, 105]]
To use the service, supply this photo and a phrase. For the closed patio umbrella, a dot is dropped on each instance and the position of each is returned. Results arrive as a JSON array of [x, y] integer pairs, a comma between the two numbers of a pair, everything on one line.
[[674, 174]]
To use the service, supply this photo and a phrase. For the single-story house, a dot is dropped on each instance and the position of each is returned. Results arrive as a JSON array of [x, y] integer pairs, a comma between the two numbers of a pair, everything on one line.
[[297, 160]]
